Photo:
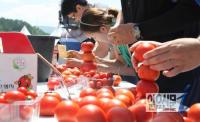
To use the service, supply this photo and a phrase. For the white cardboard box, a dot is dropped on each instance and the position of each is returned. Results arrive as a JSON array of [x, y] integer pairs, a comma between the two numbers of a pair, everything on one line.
[[18, 70]]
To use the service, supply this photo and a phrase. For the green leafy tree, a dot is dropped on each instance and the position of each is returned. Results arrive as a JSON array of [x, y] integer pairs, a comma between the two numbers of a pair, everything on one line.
[[7, 25]]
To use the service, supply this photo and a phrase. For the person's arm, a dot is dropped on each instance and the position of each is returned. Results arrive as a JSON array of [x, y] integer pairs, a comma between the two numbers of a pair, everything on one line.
[[185, 12], [116, 68], [98, 49]]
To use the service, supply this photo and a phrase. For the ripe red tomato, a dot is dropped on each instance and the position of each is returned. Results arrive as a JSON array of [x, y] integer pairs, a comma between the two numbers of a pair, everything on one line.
[[186, 119], [125, 99], [2, 98], [12, 96], [61, 67], [117, 80], [92, 84], [125, 92], [88, 66], [104, 103], [99, 84], [118, 114], [77, 100], [53, 83], [54, 94], [108, 89], [26, 112], [32, 93], [193, 112], [139, 111], [144, 87], [105, 95], [66, 111], [141, 49], [114, 103], [88, 92], [48, 105], [168, 117], [89, 100], [91, 113], [22, 89], [75, 71], [88, 57], [145, 73], [87, 46]]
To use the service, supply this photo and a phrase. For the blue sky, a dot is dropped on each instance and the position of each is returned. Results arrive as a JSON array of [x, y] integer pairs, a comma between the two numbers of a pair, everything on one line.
[[40, 12]]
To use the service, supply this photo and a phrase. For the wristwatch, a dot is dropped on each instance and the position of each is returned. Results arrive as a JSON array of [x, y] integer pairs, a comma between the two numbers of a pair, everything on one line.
[[136, 32]]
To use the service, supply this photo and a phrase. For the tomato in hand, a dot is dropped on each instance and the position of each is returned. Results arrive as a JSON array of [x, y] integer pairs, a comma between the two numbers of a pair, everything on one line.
[[119, 114], [145, 73], [141, 49], [91, 113], [87, 46], [88, 57], [66, 111], [12, 96], [193, 112], [48, 105]]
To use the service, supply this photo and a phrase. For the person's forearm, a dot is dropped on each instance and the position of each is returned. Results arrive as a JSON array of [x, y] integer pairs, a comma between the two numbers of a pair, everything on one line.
[[184, 13], [120, 18], [116, 68]]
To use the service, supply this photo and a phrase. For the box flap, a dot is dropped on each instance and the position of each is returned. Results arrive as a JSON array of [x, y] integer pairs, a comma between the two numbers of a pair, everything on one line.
[[15, 42]]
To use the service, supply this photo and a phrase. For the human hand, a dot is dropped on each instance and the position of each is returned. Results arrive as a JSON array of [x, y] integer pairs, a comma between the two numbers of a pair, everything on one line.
[[73, 62], [121, 34], [174, 57]]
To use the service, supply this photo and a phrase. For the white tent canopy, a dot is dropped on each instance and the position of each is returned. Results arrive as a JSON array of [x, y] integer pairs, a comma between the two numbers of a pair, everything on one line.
[[25, 31]]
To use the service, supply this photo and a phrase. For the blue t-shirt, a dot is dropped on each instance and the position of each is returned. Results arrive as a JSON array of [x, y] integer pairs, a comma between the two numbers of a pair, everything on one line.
[[198, 2]]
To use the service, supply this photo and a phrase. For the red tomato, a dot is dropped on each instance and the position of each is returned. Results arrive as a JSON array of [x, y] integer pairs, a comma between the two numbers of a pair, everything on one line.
[[145, 73], [61, 67], [105, 95], [12, 96], [104, 103], [114, 103], [144, 87], [23, 90], [87, 46], [2, 98], [88, 92], [53, 83], [139, 111], [48, 105], [92, 84], [89, 100], [125, 99], [32, 93], [75, 71], [118, 114], [186, 119], [66, 110], [168, 117], [99, 84], [77, 100], [88, 57], [54, 94], [117, 80], [108, 89], [91, 113], [193, 112], [141, 49], [88, 66], [26, 112], [125, 92]]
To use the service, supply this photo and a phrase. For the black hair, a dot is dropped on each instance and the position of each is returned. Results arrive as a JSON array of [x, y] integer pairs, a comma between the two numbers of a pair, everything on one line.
[[68, 6]]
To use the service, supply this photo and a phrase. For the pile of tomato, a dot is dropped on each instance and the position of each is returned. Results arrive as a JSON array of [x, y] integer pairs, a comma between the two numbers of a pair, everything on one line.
[[8, 109]]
